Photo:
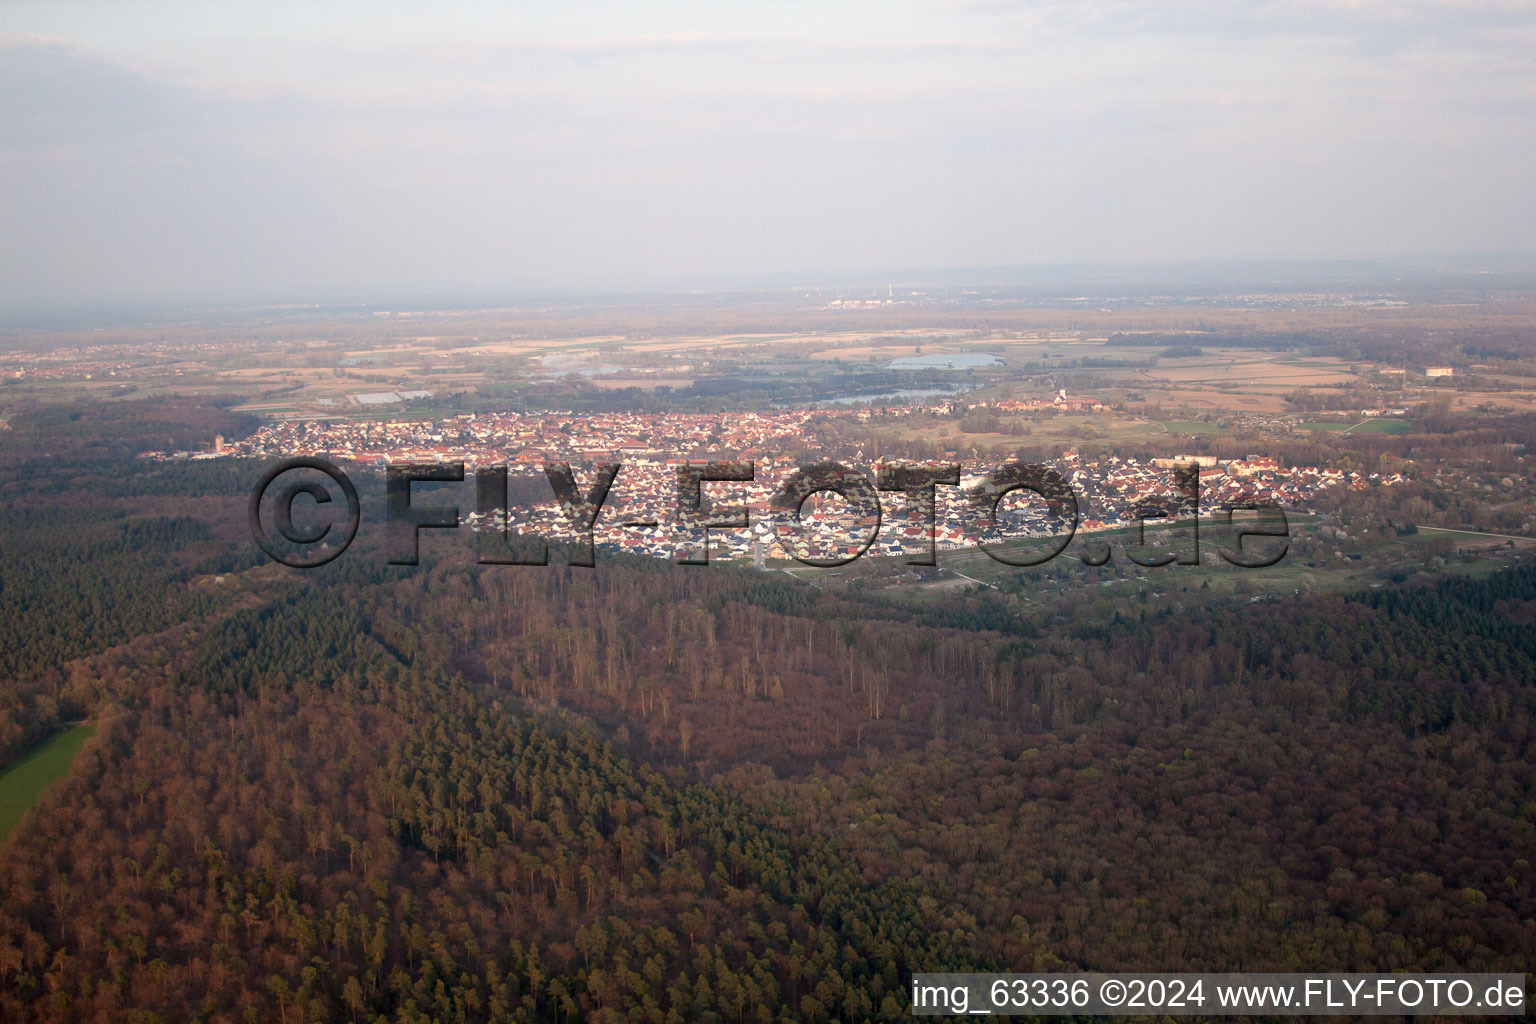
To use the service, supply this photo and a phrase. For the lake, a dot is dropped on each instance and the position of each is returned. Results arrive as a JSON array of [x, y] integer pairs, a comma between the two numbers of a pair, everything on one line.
[[887, 396], [945, 361], [897, 397]]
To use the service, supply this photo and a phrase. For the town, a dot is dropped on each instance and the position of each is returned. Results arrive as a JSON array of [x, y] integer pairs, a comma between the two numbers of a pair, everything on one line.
[[640, 514]]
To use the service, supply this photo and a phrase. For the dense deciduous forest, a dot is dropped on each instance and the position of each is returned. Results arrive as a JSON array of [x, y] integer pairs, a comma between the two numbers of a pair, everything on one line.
[[650, 792]]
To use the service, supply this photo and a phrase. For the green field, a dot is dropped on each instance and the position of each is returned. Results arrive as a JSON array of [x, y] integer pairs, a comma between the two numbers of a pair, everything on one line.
[[1383, 427], [1192, 427], [1363, 427], [24, 782]]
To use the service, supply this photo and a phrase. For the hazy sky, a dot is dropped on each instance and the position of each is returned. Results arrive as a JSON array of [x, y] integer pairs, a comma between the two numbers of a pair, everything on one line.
[[206, 151]]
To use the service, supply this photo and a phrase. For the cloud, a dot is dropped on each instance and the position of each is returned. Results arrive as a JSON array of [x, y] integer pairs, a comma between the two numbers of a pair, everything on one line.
[[50, 94], [1366, 26], [1045, 133]]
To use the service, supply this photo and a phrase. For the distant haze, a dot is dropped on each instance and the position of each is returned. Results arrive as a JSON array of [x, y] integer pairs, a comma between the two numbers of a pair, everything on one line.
[[209, 152]]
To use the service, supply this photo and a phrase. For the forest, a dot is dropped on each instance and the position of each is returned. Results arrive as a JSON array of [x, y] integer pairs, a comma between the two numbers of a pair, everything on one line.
[[652, 792]]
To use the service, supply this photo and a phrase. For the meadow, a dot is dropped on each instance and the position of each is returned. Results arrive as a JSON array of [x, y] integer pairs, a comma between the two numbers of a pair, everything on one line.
[[25, 782]]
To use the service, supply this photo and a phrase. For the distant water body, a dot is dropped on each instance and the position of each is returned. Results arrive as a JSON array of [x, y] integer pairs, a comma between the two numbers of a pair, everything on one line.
[[879, 396], [554, 366], [942, 361]]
